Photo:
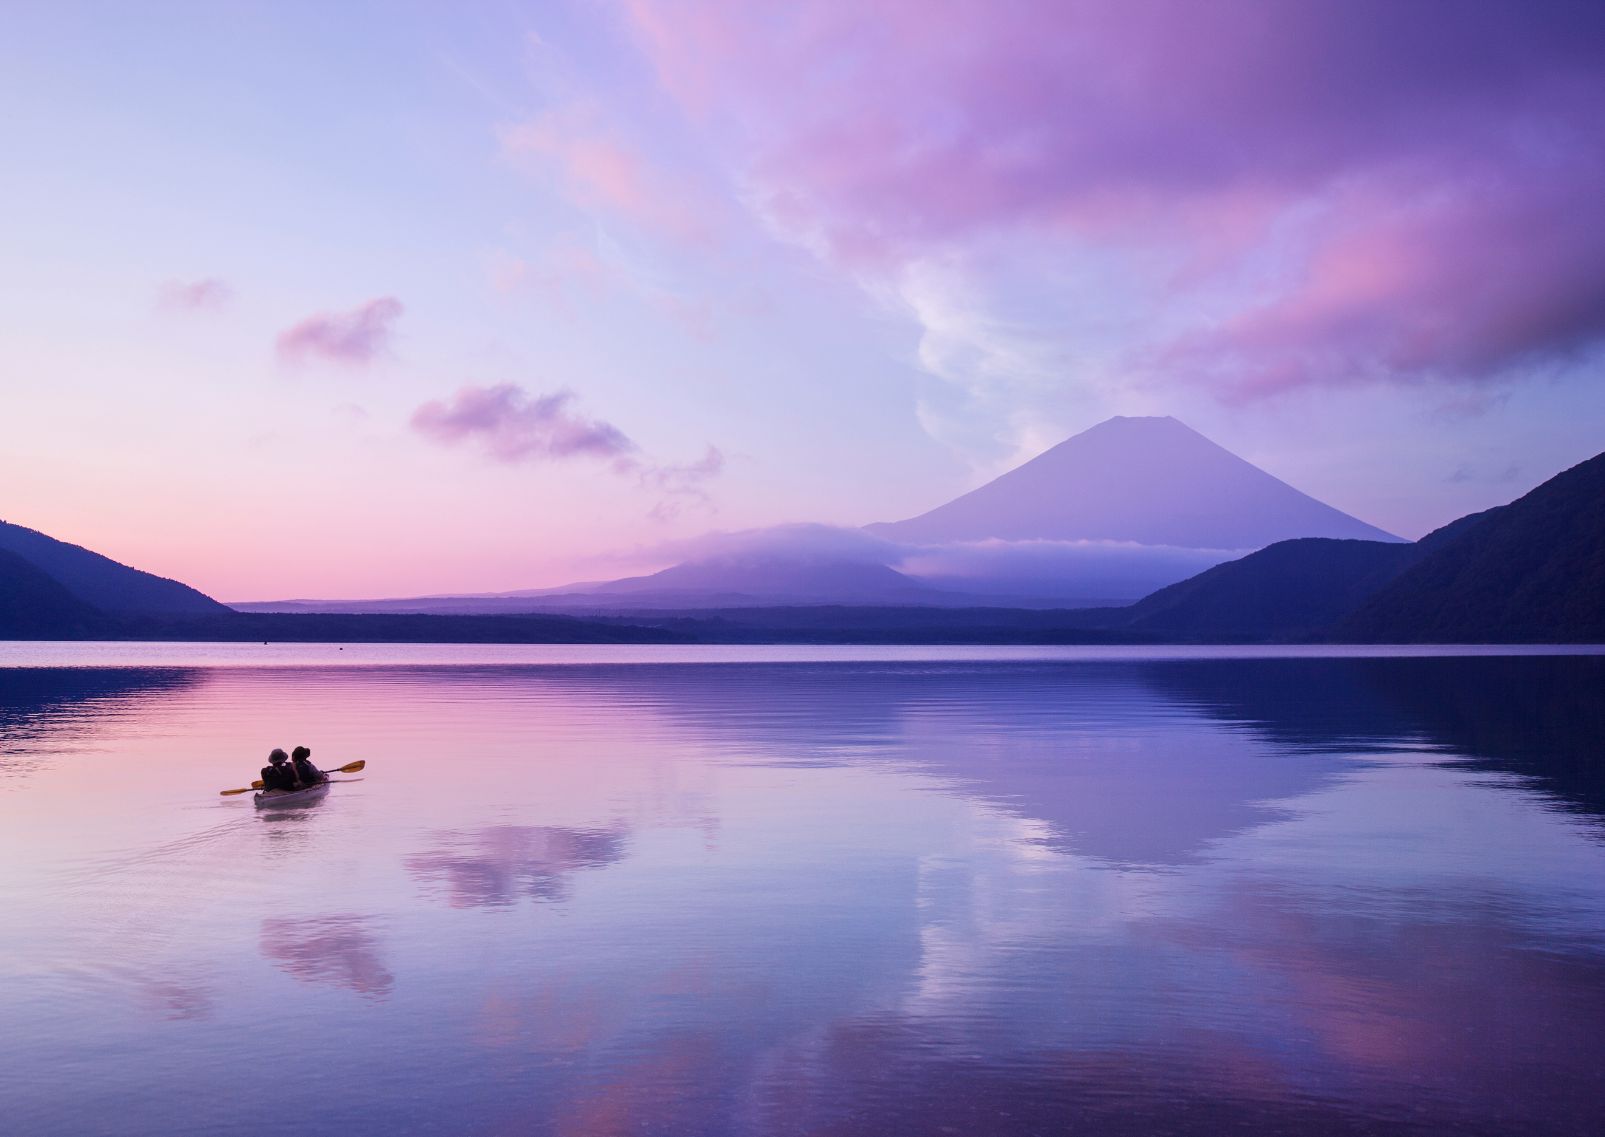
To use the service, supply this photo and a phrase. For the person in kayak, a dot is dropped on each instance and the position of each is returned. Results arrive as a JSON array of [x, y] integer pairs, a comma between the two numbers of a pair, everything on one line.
[[278, 774], [306, 773]]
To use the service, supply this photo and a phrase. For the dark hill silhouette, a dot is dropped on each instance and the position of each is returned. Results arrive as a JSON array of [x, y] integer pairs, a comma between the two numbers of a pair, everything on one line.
[[1154, 481], [1533, 570], [343, 628], [33, 606], [103, 583], [1290, 590]]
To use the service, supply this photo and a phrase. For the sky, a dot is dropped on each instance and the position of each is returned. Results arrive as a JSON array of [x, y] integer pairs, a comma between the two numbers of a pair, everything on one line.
[[377, 299]]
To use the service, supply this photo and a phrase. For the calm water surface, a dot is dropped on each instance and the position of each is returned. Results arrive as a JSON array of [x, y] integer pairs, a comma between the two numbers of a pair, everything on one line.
[[800, 891]]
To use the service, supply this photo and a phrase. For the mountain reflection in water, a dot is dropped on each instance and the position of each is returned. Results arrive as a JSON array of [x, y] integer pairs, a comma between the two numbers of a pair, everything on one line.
[[1200, 896]]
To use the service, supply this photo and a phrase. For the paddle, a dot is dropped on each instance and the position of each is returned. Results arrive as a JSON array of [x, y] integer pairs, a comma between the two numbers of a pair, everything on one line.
[[348, 768]]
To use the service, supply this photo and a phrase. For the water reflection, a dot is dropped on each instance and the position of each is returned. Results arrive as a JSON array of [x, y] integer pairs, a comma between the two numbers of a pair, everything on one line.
[[1190, 897], [1539, 717], [177, 999], [341, 949], [1083, 748], [44, 711], [502, 864]]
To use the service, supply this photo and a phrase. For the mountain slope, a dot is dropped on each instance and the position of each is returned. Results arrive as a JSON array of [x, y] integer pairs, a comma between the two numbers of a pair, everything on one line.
[[33, 606], [1153, 481], [1533, 570], [1290, 590], [770, 577], [102, 582]]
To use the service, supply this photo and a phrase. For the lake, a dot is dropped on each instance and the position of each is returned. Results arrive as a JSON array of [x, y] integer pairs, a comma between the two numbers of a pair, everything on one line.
[[590, 891]]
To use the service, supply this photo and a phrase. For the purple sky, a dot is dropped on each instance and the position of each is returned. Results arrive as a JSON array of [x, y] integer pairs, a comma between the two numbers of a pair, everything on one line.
[[385, 298]]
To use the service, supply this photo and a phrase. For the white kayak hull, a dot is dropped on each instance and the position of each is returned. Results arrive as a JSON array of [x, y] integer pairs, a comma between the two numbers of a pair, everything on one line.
[[279, 799]]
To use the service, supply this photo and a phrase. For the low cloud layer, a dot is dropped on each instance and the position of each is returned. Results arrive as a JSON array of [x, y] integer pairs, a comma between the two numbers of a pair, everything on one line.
[[354, 338], [1115, 570]]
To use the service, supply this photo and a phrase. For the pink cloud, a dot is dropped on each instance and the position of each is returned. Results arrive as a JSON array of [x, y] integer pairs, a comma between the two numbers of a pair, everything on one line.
[[511, 426], [354, 338], [562, 274], [599, 168], [710, 465], [208, 294], [694, 314], [1406, 283], [1436, 167]]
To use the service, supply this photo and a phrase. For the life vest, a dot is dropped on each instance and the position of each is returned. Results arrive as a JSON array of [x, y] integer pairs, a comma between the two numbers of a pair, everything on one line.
[[278, 777]]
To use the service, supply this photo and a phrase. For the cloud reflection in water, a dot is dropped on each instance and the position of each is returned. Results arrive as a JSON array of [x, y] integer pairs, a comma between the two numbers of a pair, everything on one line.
[[501, 864], [329, 949]]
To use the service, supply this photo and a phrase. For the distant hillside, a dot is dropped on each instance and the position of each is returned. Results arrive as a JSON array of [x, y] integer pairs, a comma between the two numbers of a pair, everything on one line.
[[245, 627], [885, 624], [1291, 590], [756, 578], [102, 582], [1153, 481], [33, 606], [1533, 570], [1105, 517]]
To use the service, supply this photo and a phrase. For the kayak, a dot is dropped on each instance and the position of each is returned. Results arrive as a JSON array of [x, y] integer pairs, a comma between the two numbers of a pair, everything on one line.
[[270, 799]]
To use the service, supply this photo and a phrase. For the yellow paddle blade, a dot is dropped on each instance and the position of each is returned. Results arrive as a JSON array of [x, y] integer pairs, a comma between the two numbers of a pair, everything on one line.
[[241, 790]]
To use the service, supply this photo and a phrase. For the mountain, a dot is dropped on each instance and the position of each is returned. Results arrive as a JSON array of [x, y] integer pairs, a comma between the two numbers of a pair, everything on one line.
[[1153, 481], [748, 577], [102, 582], [1533, 570], [734, 580], [34, 606], [1289, 590], [1105, 517]]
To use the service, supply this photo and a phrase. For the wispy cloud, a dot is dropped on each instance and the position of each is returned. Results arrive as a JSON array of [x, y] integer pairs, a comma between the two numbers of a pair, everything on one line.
[[508, 424], [353, 338], [205, 295], [599, 167], [1296, 195], [682, 483]]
